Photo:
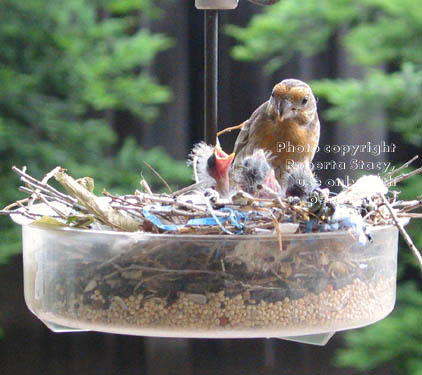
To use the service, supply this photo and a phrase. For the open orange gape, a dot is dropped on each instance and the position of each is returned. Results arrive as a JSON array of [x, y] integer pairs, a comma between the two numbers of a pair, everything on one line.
[[209, 286]]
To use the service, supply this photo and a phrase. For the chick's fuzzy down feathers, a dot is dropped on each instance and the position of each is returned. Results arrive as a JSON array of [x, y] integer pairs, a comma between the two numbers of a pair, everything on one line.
[[198, 159], [255, 170]]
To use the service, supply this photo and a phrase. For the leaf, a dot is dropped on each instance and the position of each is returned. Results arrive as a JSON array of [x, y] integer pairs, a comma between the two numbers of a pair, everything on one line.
[[48, 221], [80, 221]]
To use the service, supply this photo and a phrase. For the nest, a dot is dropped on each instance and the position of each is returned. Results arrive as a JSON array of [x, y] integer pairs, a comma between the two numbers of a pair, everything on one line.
[[368, 202], [269, 268]]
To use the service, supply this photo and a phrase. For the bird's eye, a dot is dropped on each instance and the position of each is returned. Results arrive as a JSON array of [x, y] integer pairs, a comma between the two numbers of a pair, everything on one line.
[[211, 162], [305, 100], [272, 94]]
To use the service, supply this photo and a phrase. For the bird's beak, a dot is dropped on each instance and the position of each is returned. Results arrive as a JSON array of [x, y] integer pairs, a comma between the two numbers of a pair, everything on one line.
[[284, 108], [223, 161]]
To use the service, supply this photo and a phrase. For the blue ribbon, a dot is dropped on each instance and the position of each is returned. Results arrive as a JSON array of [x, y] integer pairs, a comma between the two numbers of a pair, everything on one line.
[[237, 219]]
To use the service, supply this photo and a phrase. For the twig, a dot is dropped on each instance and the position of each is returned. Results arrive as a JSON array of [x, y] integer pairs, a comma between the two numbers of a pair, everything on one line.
[[227, 130], [410, 215], [411, 208], [197, 186], [406, 204], [43, 187], [405, 176], [405, 165], [18, 203], [8, 212], [273, 194], [212, 212], [166, 270], [145, 185], [43, 182], [277, 230], [55, 209], [159, 176], [403, 232], [54, 199], [29, 215]]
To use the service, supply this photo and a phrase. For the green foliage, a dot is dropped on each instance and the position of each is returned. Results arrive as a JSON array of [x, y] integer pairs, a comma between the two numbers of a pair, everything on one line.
[[387, 31], [65, 66], [394, 341], [130, 158], [396, 94], [381, 36], [288, 28]]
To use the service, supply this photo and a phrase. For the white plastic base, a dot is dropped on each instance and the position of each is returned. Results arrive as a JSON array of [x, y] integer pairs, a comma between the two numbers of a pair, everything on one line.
[[319, 339]]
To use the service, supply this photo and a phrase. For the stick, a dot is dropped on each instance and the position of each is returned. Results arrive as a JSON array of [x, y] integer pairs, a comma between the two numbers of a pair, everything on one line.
[[228, 130], [409, 215], [55, 209], [273, 194], [405, 176], [49, 197], [18, 203], [403, 232], [277, 230], [43, 182], [145, 185], [159, 176], [405, 165], [187, 189], [34, 182]]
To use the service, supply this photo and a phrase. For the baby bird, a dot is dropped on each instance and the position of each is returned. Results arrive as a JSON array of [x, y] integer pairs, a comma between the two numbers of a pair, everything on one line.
[[212, 166], [289, 117], [254, 172], [299, 182]]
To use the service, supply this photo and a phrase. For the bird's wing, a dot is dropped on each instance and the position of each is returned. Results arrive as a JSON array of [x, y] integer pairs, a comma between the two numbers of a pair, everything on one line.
[[243, 137], [244, 142]]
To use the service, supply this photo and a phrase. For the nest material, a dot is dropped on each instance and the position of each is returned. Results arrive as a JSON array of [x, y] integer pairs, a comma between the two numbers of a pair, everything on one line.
[[366, 203]]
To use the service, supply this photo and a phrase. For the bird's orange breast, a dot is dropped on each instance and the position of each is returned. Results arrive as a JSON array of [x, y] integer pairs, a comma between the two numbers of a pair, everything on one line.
[[301, 140]]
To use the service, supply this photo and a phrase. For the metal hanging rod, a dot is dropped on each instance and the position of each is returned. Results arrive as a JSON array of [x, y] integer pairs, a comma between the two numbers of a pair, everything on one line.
[[211, 8]]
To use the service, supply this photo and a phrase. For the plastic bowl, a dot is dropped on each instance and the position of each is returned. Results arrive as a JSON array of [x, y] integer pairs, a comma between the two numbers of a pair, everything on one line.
[[208, 286]]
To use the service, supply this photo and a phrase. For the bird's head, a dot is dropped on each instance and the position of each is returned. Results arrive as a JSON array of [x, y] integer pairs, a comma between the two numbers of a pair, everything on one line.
[[256, 170], [253, 170], [218, 166], [219, 163], [292, 99]]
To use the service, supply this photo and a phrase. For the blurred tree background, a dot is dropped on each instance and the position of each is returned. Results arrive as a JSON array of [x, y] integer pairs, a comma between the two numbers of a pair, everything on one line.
[[67, 69], [382, 39]]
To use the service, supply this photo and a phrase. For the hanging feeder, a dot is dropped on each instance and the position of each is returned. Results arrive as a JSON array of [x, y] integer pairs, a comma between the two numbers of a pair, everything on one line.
[[212, 286], [300, 287]]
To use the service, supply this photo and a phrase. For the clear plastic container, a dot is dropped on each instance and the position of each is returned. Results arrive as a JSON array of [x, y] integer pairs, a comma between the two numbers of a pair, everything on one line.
[[208, 286]]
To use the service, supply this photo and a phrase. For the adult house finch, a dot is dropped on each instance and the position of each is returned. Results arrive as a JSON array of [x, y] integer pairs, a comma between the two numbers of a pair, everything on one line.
[[290, 118], [212, 167]]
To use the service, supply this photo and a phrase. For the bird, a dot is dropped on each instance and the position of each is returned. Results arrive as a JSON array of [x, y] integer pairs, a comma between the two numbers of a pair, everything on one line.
[[299, 182], [211, 167], [255, 175], [286, 125]]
